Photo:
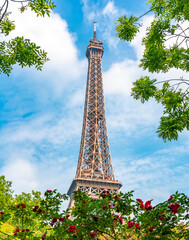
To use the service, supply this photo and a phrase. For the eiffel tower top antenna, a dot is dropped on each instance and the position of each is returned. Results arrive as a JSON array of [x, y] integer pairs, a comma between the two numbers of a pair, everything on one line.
[[94, 37]]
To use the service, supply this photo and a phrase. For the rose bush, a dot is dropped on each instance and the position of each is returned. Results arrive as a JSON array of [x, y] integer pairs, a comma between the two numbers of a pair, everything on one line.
[[109, 216]]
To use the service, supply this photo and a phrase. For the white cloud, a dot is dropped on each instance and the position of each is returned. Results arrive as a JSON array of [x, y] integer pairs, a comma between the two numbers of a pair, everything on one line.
[[110, 9], [151, 177], [22, 173], [53, 35]]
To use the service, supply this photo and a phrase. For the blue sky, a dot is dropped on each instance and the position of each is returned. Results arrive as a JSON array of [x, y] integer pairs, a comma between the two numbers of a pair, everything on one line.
[[41, 112]]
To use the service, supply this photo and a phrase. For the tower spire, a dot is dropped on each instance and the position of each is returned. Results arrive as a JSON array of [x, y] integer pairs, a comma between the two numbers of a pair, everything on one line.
[[94, 35], [94, 170]]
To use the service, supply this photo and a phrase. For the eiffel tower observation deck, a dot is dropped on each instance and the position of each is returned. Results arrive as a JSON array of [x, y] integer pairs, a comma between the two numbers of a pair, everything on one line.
[[94, 170]]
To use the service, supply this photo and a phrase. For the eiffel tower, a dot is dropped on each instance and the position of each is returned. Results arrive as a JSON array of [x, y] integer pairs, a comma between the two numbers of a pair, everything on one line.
[[94, 170]]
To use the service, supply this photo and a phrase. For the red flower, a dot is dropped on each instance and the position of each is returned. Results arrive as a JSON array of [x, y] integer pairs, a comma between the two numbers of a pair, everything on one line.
[[83, 202], [2, 214], [161, 217], [151, 229], [139, 200], [116, 196], [23, 205], [137, 226], [95, 218], [49, 191], [51, 224], [174, 207], [92, 234], [148, 205], [131, 224], [18, 205], [61, 219], [71, 228], [27, 230], [54, 219], [68, 216], [35, 208], [187, 215], [170, 198], [40, 210], [43, 237], [121, 220], [116, 217], [17, 230], [104, 207], [142, 205]]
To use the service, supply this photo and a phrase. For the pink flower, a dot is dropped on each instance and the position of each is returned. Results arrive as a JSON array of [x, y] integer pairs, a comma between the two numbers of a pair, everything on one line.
[[131, 224], [137, 226], [93, 234], [72, 228]]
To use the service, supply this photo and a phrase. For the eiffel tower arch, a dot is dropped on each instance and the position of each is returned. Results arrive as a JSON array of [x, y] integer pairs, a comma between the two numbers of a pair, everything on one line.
[[94, 170]]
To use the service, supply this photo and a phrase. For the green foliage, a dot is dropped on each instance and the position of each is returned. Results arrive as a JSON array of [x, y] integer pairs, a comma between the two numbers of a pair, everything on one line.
[[143, 89], [19, 50], [5, 193], [127, 28], [42, 7], [6, 26], [160, 56], [175, 103]]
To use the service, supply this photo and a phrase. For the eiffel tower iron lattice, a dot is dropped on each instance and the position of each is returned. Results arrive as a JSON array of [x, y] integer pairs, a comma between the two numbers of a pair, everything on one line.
[[94, 170]]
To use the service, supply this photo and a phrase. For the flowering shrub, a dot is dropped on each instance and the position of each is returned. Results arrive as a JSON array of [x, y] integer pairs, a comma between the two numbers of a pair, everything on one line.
[[111, 216]]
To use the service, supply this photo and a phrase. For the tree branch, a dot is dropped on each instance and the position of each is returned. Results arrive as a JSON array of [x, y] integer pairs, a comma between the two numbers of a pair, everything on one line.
[[147, 12], [176, 79], [4, 11]]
